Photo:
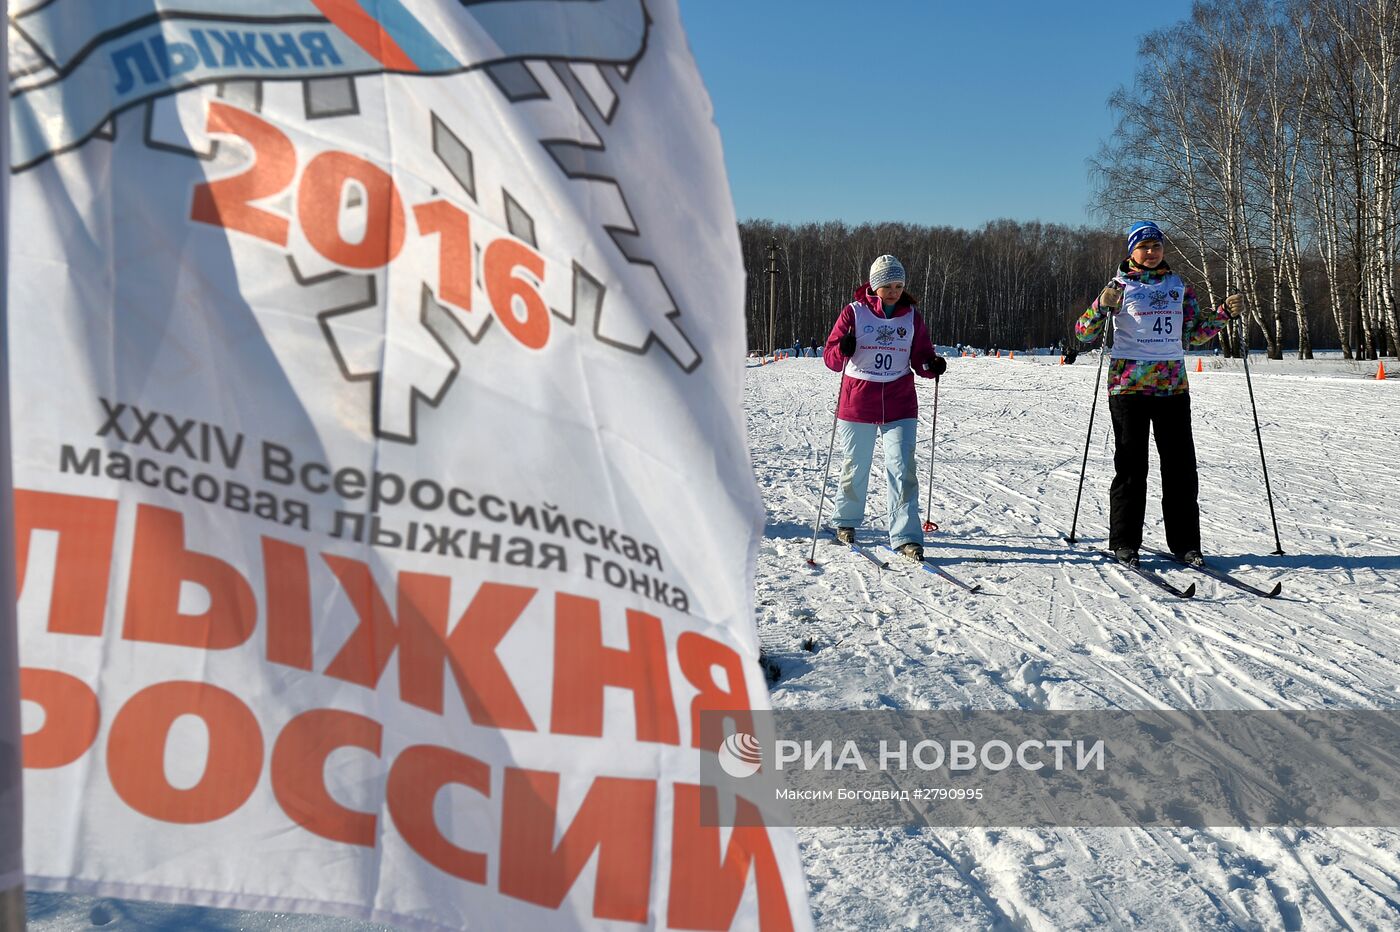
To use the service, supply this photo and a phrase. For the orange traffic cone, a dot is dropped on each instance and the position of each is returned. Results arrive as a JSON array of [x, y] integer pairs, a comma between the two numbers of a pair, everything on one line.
[[998, 354], [1013, 354], [1198, 365], [1380, 372], [1062, 360]]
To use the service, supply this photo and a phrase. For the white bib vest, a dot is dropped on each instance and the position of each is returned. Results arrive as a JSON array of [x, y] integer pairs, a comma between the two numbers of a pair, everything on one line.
[[882, 346], [1149, 325]]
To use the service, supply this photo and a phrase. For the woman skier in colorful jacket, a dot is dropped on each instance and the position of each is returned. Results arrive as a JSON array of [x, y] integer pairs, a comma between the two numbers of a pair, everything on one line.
[[1155, 315], [879, 343]]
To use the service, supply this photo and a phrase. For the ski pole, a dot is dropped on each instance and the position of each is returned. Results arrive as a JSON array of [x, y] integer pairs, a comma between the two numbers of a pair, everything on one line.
[[929, 526], [826, 474], [1258, 435], [1083, 467]]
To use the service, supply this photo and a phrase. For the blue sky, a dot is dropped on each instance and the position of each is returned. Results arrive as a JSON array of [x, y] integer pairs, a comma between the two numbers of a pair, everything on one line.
[[938, 112]]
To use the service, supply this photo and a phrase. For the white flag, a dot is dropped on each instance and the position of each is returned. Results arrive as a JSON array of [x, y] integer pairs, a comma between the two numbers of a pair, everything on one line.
[[384, 515]]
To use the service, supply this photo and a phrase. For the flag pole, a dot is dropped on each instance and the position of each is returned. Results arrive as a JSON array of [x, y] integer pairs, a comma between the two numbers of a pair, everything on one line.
[[11, 804]]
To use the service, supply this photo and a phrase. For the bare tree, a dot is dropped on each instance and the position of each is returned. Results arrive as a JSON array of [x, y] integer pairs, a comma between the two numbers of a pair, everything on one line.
[[1265, 134]]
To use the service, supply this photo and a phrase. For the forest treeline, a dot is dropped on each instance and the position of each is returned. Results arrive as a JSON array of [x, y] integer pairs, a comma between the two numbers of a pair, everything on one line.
[[1263, 135], [1008, 284]]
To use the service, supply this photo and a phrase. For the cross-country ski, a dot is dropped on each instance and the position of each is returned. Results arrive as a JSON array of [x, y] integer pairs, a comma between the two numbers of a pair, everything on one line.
[[1220, 575], [1150, 575], [929, 565], [857, 549]]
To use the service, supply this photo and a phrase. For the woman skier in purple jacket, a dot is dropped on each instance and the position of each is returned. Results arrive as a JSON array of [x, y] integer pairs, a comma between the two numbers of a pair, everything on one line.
[[878, 344]]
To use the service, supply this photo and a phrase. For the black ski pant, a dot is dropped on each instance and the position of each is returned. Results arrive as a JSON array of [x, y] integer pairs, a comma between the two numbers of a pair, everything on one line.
[[1169, 417]]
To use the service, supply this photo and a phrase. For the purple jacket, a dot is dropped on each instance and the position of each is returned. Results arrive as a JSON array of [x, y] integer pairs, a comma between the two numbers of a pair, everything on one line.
[[879, 402]]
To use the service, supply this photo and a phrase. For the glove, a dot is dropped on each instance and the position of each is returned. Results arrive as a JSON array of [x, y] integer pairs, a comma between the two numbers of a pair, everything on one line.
[[1234, 305], [847, 346], [1071, 355], [1112, 296], [937, 366]]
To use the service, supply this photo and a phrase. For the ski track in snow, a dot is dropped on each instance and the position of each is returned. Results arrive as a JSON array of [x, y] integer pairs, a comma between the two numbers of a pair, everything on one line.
[[1061, 628]]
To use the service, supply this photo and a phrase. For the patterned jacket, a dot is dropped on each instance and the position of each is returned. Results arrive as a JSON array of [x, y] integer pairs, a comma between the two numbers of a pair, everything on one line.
[[1130, 376]]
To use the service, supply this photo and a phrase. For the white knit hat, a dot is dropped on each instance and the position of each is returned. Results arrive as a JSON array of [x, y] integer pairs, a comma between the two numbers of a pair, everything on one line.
[[884, 271]]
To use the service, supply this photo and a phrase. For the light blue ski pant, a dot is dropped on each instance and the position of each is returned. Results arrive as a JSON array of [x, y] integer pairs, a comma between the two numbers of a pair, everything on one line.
[[901, 477]]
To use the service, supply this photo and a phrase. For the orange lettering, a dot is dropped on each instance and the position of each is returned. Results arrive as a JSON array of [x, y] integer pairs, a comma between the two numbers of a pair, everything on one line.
[[288, 604], [583, 667], [159, 563], [319, 204], [299, 772], [424, 646], [86, 530], [453, 226], [616, 819], [414, 781], [227, 202], [136, 753], [485, 685], [698, 657], [705, 890], [71, 716], [503, 287]]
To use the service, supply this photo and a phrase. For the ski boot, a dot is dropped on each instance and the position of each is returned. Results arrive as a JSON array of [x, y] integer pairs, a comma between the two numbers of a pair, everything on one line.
[[1128, 555], [913, 551], [846, 535]]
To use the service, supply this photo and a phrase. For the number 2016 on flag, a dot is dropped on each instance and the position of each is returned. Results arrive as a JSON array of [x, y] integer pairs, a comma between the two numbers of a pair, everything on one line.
[[232, 203]]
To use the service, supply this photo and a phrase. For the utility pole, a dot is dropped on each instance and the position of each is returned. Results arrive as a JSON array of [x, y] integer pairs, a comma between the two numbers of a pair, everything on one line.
[[773, 274]]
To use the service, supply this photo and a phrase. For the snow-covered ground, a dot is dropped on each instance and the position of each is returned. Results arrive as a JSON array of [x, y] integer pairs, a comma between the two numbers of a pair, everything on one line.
[[1061, 630]]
